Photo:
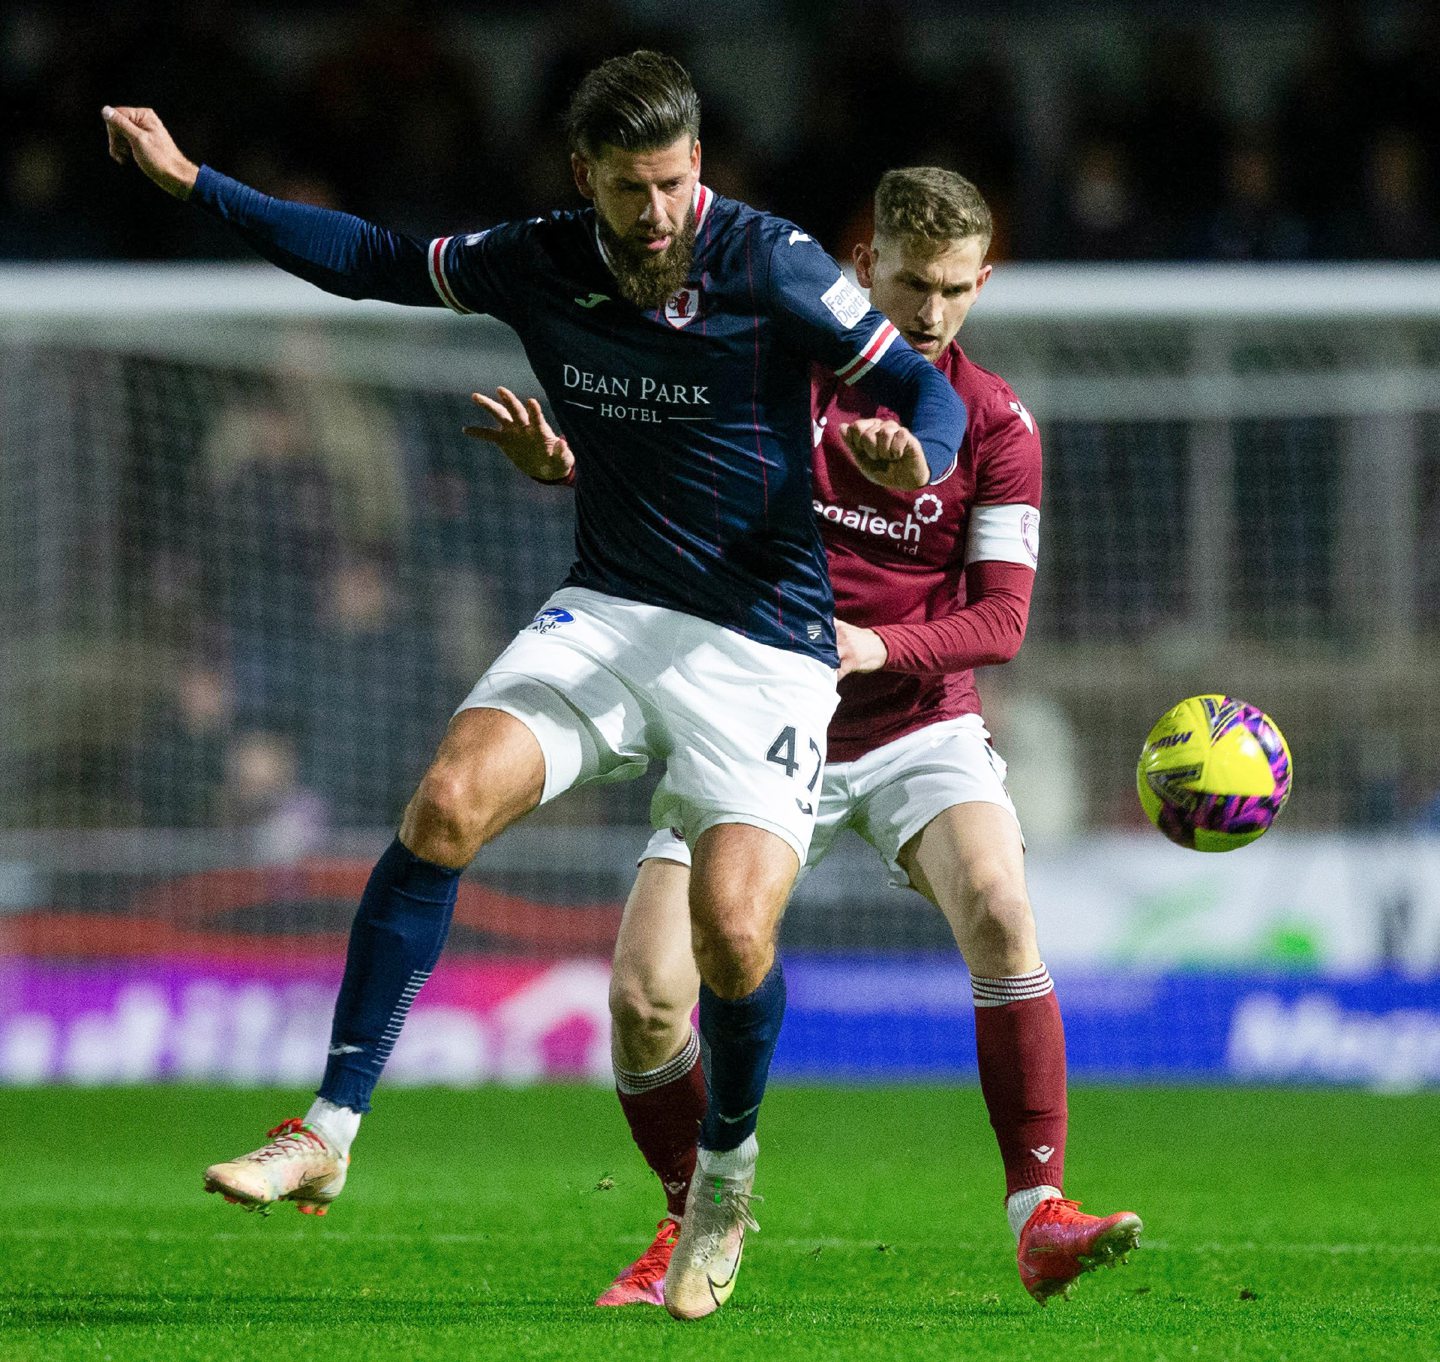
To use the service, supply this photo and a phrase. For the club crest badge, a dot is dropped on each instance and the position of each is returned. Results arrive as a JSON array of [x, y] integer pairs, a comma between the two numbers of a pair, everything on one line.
[[683, 306]]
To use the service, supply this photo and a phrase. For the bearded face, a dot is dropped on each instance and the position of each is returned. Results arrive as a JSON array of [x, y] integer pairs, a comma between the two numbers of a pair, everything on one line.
[[644, 209], [648, 277]]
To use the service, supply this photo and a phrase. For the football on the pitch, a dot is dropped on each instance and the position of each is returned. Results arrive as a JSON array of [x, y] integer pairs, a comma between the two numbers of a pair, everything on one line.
[[1214, 773]]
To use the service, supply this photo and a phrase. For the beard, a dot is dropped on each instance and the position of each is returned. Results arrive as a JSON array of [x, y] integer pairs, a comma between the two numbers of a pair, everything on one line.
[[647, 279]]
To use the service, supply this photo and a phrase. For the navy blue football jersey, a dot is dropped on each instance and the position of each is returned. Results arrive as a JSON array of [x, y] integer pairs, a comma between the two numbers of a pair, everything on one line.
[[691, 422]]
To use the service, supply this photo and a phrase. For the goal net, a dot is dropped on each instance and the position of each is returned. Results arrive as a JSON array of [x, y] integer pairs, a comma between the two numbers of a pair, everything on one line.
[[249, 565]]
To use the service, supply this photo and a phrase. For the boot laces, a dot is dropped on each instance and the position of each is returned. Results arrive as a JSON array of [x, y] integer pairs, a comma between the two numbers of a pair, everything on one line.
[[652, 1263], [1065, 1211], [289, 1138], [730, 1204]]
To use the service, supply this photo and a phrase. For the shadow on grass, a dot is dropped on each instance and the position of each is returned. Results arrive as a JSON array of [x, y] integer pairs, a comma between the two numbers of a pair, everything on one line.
[[90, 1309]]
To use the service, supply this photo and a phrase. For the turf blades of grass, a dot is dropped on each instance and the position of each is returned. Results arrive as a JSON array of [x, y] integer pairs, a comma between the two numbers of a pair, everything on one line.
[[1279, 1225]]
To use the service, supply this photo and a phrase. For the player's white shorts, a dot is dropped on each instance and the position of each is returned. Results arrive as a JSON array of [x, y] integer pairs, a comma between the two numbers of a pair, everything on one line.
[[606, 684], [892, 793]]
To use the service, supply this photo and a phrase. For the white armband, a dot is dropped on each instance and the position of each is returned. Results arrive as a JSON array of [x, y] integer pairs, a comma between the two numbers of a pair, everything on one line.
[[1004, 534]]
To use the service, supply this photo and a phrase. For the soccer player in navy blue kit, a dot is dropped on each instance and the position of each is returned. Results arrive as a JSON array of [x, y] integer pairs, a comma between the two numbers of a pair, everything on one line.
[[675, 330]]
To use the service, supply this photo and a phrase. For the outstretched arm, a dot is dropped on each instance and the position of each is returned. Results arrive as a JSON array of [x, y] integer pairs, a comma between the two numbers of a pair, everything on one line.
[[887, 453], [920, 448], [1002, 552], [335, 251]]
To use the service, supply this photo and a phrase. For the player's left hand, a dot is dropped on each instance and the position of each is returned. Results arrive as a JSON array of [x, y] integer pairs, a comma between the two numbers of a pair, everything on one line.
[[523, 436], [887, 453], [861, 650]]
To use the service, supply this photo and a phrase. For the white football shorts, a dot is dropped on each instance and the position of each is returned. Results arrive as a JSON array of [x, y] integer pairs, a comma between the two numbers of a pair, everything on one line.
[[892, 793], [607, 684]]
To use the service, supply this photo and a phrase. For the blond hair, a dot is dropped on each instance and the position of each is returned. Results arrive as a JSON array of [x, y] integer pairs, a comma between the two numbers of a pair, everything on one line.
[[928, 204]]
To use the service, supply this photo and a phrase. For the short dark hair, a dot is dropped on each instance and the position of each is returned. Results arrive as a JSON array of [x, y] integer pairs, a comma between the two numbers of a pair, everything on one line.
[[637, 102], [928, 204]]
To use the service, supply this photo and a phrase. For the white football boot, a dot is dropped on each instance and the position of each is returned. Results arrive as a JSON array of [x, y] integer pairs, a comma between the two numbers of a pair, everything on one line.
[[707, 1255], [299, 1164]]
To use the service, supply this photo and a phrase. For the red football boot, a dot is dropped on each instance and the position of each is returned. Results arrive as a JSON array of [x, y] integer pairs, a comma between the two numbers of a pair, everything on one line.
[[1060, 1241], [643, 1282]]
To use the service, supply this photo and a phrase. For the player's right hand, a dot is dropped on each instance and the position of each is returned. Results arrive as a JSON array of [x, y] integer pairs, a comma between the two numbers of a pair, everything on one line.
[[139, 135], [860, 649], [523, 436]]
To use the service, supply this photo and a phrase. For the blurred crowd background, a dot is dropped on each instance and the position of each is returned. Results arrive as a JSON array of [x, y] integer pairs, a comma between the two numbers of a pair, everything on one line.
[[1264, 130], [244, 582]]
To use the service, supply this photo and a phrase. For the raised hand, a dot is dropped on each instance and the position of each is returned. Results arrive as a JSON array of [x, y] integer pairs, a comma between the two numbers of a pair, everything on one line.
[[523, 436], [138, 135], [887, 453]]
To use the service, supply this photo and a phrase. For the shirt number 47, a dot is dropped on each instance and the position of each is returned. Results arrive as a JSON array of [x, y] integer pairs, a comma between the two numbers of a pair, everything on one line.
[[783, 753]]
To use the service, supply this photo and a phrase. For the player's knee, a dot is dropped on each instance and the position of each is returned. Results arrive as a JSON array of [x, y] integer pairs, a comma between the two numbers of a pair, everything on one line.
[[1000, 944], [444, 821], [992, 919], [734, 957], [643, 1012]]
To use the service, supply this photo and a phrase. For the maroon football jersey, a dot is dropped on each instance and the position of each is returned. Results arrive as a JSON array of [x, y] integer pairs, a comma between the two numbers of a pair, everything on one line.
[[898, 558]]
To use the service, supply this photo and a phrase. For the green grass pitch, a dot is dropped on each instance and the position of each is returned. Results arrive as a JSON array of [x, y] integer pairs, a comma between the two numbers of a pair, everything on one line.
[[1279, 1225]]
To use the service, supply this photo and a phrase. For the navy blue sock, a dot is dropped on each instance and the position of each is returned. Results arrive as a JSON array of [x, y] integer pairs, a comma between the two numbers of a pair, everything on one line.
[[396, 939], [739, 1036]]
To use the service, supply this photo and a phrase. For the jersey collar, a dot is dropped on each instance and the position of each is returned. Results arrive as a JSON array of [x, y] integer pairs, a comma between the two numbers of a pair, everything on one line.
[[704, 197]]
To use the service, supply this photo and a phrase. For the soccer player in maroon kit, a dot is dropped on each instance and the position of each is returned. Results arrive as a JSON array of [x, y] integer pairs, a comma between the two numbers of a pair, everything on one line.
[[928, 585]]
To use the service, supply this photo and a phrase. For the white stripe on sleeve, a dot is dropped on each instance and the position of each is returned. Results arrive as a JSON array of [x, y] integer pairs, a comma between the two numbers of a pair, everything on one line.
[[881, 339], [435, 257]]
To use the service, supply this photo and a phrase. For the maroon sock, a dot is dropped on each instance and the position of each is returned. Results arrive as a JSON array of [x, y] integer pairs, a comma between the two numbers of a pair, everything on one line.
[[1020, 1042], [664, 1109]]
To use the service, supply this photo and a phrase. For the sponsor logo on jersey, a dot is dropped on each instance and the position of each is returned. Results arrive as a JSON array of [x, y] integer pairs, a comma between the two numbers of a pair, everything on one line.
[[547, 621], [642, 396], [846, 303], [928, 508], [1024, 416], [904, 534], [798, 236], [683, 306]]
